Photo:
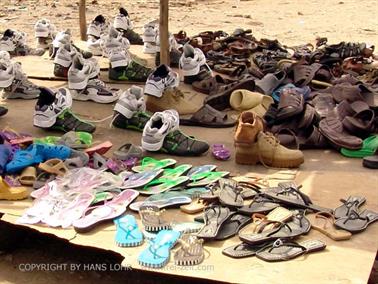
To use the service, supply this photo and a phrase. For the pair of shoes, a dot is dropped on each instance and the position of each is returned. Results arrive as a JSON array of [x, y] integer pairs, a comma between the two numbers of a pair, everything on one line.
[[255, 146], [44, 32], [15, 43], [162, 133], [53, 111], [14, 81]]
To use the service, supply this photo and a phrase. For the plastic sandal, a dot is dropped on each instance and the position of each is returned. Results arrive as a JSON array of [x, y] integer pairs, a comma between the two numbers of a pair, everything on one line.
[[42, 179], [78, 159], [128, 233], [151, 164], [128, 151], [176, 172], [195, 207], [140, 179], [242, 250], [203, 179], [369, 147], [54, 166], [50, 140], [220, 152], [232, 226], [151, 218], [162, 184], [100, 148], [28, 176], [157, 254], [191, 251], [201, 169], [98, 161], [76, 140], [11, 193], [282, 250], [110, 210], [24, 158], [175, 200]]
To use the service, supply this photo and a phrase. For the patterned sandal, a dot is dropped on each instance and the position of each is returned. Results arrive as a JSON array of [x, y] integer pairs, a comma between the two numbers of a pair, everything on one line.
[[151, 218], [191, 251]]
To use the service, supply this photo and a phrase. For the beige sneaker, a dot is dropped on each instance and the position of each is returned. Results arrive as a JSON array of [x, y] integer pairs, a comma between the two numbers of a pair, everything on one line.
[[172, 98], [268, 151], [249, 126]]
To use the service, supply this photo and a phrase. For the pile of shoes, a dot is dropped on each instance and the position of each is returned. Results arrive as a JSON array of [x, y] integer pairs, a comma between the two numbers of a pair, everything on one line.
[[14, 42]]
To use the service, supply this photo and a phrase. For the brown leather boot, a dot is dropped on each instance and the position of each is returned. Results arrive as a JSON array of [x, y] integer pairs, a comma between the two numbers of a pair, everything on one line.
[[269, 152], [249, 126]]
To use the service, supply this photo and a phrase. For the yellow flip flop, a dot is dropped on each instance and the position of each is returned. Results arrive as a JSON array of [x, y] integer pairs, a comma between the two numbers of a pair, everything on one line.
[[12, 193], [324, 223]]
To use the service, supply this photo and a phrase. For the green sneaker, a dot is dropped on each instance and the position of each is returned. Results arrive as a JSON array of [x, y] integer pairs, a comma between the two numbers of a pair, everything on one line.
[[134, 71], [3, 110], [136, 122], [178, 143], [68, 121]]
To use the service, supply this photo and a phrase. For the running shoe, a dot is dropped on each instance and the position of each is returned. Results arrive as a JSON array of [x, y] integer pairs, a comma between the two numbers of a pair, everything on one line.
[[97, 27], [68, 121], [96, 91], [179, 144], [191, 60], [122, 20], [81, 71], [113, 40], [130, 101], [162, 78]]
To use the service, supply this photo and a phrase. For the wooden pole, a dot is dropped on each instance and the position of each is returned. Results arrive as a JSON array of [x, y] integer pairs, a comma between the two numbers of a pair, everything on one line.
[[83, 20], [163, 30]]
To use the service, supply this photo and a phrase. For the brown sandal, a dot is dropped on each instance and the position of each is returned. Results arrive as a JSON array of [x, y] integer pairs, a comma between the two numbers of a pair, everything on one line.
[[54, 166]]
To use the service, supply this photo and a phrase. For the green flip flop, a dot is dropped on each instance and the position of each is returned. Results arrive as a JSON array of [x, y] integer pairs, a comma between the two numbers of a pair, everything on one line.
[[177, 171], [206, 178], [162, 184], [47, 140], [369, 147], [150, 164]]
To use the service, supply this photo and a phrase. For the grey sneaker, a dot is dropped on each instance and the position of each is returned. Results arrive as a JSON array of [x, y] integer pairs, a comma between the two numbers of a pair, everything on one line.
[[96, 91], [113, 40], [158, 127], [50, 105], [21, 87], [97, 27], [191, 60], [81, 71], [131, 101], [162, 78], [119, 57], [122, 20], [7, 73]]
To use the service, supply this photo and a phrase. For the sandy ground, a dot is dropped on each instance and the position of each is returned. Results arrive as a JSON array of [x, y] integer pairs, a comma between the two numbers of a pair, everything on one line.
[[290, 21]]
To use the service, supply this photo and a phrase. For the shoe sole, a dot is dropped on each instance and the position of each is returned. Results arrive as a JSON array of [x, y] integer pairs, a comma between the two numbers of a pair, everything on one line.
[[153, 147], [243, 157]]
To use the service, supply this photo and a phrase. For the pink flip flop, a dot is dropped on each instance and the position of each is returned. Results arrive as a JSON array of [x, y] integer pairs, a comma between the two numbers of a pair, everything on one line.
[[100, 148], [76, 209], [110, 210], [220, 152]]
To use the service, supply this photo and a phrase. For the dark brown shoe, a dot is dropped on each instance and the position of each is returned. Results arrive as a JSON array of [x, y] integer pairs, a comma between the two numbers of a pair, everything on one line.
[[291, 103]]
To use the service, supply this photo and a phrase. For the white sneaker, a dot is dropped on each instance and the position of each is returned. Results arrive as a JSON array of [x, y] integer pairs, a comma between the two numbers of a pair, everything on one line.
[[158, 127], [64, 55], [94, 46], [149, 48], [113, 40], [162, 78], [122, 20], [7, 73], [11, 40], [62, 38], [97, 27], [131, 101], [43, 28], [191, 60], [119, 57], [50, 105], [96, 91], [150, 30], [81, 71]]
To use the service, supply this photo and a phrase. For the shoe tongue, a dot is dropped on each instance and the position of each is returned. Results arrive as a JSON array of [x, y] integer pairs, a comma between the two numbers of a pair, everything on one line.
[[162, 71], [123, 12], [8, 33], [100, 19]]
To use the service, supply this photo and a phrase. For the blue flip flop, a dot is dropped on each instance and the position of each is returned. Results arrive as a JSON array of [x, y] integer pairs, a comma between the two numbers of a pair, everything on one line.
[[128, 233], [157, 254]]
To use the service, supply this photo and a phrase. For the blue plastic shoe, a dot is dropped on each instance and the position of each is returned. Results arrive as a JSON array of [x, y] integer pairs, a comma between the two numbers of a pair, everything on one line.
[[4, 156], [24, 158], [156, 255], [128, 233], [48, 152]]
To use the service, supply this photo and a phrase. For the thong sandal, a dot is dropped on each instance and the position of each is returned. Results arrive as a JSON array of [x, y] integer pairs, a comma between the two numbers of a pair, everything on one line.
[[259, 204], [203, 179], [282, 250], [214, 217], [99, 149], [324, 223], [220, 152], [141, 179], [232, 226], [151, 218], [151, 164], [54, 166], [242, 250], [208, 116], [28, 176], [162, 184], [230, 193], [356, 222], [191, 251], [353, 203], [128, 233]]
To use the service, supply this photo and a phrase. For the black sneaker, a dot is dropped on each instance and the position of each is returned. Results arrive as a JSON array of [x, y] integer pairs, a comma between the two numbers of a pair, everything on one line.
[[178, 143], [136, 122], [68, 121], [3, 110], [203, 74]]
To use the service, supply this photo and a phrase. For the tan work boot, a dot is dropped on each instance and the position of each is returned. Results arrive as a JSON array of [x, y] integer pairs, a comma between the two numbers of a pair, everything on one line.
[[249, 125], [268, 151], [172, 98]]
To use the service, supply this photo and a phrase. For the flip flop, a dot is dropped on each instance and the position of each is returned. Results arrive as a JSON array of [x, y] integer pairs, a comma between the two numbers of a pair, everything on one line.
[[242, 250], [259, 204], [214, 217], [162, 184], [369, 147], [141, 179], [110, 210], [54, 166], [232, 226], [176, 172], [76, 140], [230, 193], [203, 179], [28, 176], [127, 232], [53, 140], [11, 193], [127, 151], [289, 193], [356, 222], [99, 149], [157, 254], [299, 225], [149, 163], [324, 223], [172, 201], [353, 203], [200, 169], [220, 152], [102, 197], [282, 250]]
